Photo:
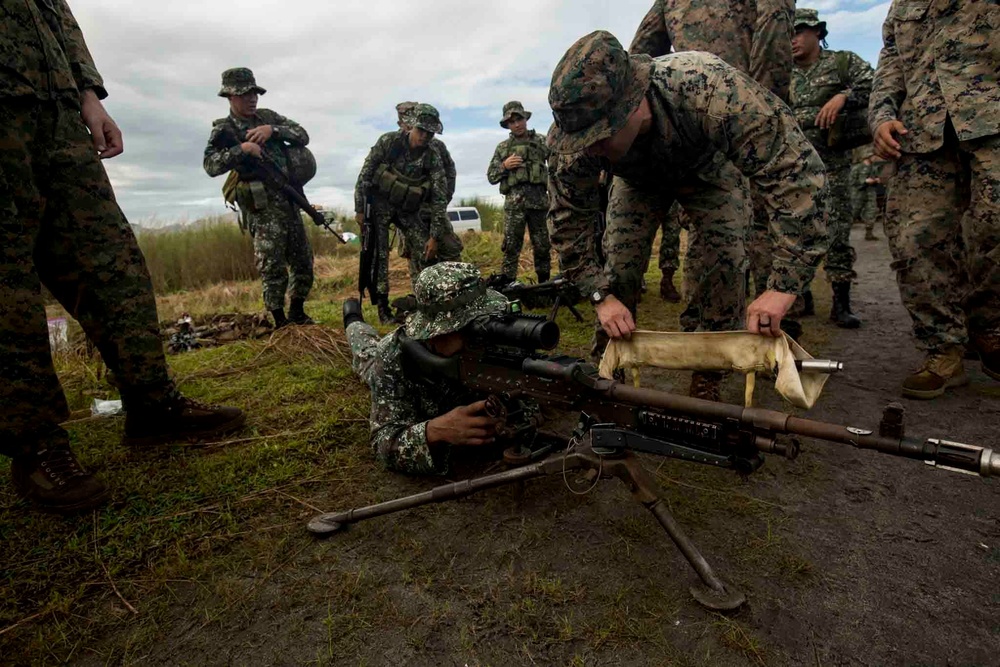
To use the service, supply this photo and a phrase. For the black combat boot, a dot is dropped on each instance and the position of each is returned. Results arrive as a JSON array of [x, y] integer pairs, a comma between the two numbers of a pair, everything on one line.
[[53, 480], [296, 314], [840, 312], [352, 313], [177, 418], [385, 315], [280, 320], [668, 292]]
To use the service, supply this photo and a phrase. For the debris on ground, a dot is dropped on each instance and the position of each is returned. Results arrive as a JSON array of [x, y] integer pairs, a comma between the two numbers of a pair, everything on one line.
[[188, 334]]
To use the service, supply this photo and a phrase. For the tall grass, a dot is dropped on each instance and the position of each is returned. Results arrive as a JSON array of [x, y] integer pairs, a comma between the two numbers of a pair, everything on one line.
[[491, 214]]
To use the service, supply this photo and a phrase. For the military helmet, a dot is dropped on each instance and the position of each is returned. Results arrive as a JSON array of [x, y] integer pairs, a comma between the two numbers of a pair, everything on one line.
[[426, 118], [301, 164], [239, 81], [511, 109], [450, 295], [595, 88], [810, 19]]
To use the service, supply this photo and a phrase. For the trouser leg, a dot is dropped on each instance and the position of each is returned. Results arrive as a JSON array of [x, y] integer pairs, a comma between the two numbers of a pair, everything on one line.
[[417, 234], [513, 239], [381, 229], [538, 231], [299, 256], [670, 240], [841, 255], [981, 234], [270, 248], [363, 339]]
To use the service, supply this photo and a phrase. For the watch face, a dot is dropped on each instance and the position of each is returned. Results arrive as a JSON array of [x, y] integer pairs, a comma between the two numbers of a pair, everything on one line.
[[596, 297]]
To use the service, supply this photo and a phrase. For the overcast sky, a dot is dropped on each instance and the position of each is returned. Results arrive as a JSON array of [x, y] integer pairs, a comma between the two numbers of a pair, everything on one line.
[[339, 68]]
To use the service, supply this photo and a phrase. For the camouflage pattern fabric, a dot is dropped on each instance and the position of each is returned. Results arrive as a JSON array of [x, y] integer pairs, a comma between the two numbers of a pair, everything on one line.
[[698, 104], [669, 259], [62, 228], [450, 173], [755, 37], [841, 255], [282, 253], [865, 196]]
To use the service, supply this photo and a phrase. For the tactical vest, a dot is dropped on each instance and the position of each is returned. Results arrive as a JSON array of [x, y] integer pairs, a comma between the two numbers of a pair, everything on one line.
[[532, 171], [403, 192]]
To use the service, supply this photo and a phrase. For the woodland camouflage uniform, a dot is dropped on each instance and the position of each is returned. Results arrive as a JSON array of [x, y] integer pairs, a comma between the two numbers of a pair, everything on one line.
[[698, 104], [402, 403], [526, 199], [938, 75], [281, 248], [865, 197]]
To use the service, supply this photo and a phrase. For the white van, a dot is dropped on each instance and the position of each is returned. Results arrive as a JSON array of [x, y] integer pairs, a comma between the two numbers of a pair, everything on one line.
[[465, 218]]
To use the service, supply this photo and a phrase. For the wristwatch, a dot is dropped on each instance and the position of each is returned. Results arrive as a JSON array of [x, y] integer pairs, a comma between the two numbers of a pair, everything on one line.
[[274, 130], [599, 295]]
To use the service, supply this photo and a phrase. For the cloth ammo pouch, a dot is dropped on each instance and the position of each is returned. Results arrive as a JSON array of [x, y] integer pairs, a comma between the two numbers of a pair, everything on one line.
[[401, 192], [251, 196]]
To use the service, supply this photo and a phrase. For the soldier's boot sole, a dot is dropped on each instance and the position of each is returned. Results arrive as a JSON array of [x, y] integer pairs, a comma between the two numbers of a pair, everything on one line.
[[926, 394]]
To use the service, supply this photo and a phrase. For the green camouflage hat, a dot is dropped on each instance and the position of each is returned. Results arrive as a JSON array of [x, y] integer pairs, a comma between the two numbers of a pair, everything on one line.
[[238, 81], [426, 117], [595, 88], [511, 109], [450, 295], [810, 19], [403, 110]]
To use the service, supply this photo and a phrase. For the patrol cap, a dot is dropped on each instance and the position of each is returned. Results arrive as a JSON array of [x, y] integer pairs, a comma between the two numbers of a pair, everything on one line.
[[450, 295], [511, 109], [426, 118], [595, 88], [238, 81], [810, 19]]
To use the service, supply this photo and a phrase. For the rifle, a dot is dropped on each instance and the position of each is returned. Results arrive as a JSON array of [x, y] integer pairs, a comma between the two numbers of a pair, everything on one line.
[[557, 293], [267, 170], [500, 360], [368, 263]]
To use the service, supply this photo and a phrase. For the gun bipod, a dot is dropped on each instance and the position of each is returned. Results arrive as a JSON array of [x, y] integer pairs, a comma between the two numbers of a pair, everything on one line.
[[711, 592]]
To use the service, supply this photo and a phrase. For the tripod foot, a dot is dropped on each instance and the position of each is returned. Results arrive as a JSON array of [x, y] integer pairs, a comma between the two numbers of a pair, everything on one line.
[[727, 599], [323, 525]]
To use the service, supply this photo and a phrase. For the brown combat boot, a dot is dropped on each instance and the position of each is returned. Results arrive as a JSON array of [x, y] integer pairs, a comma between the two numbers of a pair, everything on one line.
[[667, 290], [988, 345], [53, 480], [706, 385], [178, 418], [942, 369]]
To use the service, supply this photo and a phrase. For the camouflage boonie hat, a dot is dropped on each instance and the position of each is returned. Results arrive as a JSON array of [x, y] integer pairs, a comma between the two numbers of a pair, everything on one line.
[[426, 118], [810, 19], [595, 88], [403, 110], [238, 81], [450, 295], [511, 109]]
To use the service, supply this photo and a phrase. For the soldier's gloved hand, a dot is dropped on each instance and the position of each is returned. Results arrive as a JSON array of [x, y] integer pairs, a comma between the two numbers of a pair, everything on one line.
[[104, 132], [827, 116], [765, 313], [260, 134], [886, 146], [430, 249], [466, 425], [616, 318], [250, 148], [513, 162]]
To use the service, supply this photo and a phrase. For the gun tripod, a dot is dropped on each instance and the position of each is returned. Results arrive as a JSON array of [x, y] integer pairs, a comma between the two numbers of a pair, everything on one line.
[[711, 591]]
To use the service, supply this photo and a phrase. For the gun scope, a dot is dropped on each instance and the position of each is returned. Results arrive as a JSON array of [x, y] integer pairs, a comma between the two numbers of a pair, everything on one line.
[[530, 332]]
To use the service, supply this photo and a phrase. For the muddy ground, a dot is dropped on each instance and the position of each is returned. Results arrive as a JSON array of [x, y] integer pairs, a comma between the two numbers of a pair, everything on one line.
[[846, 557]]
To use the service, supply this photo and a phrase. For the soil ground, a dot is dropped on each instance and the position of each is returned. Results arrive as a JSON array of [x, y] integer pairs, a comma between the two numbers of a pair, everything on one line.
[[846, 557]]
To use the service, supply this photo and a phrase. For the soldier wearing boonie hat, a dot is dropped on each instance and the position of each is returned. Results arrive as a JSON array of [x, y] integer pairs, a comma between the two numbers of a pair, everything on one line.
[[519, 167], [414, 424], [681, 128]]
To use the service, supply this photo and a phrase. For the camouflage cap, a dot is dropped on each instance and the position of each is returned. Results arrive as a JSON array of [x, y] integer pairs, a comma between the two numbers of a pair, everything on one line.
[[595, 88], [426, 118], [810, 19], [450, 295], [511, 109], [238, 81], [403, 109]]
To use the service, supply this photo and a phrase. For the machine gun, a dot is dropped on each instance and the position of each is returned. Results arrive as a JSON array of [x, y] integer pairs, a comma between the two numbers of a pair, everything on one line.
[[368, 262], [267, 170], [501, 360], [555, 294]]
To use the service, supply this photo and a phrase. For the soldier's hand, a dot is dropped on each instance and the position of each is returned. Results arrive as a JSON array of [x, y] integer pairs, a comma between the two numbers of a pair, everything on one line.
[[465, 425], [260, 134], [431, 249], [513, 162], [360, 218], [765, 313], [104, 132], [827, 116], [886, 146], [615, 317], [250, 148]]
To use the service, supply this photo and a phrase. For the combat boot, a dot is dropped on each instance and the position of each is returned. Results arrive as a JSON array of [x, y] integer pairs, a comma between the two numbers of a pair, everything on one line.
[[840, 311], [297, 314], [385, 315], [706, 385], [987, 343], [667, 290], [352, 313], [178, 418], [942, 369], [278, 315], [53, 480]]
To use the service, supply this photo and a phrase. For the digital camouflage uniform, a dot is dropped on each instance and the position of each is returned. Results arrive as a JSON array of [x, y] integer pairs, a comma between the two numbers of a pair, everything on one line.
[[526, 199], [62, 227], [938, 75], [281, 248], [402, 403], [865, 196], [710, 125]]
